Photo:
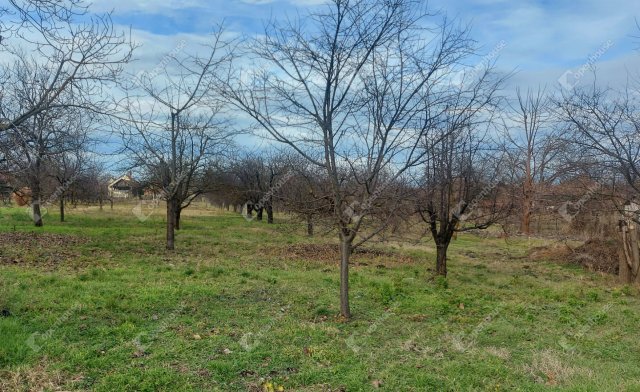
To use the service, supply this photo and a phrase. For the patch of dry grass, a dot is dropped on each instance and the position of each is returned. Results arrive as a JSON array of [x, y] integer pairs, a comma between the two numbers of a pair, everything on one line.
[[38, 378]]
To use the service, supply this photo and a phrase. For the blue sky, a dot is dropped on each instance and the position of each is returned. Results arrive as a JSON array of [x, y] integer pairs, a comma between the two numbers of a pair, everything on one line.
[[542, 39]]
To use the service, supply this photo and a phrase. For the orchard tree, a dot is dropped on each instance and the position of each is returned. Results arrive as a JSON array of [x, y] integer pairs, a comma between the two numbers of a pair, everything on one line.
[[174, 123], [347, 87], [535, 148], [460, 186], [39, 145], [259, 176]]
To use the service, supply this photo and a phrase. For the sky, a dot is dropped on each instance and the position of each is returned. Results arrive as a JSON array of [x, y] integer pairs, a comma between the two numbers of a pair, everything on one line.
[[542, 43]]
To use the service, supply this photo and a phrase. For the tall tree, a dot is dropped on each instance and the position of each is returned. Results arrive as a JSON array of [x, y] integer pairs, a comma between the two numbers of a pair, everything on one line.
[[346, 87], [173, 124], [459, 187], [606, 129], [534, 146]]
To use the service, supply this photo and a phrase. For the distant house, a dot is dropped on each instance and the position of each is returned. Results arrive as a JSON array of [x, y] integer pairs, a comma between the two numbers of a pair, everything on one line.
[[123, 187]]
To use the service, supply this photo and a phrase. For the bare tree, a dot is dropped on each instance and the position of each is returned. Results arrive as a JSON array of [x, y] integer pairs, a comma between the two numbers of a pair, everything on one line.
[[74, 56], [346, 88], [177, 124], [39, 143], [66, 169], [534, 146], [606, 125], [257, 176], [42, 16], [307, 194], [459, 189]]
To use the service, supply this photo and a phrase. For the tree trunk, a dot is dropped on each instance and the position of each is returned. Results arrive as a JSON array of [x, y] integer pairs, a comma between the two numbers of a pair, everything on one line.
[[635, 252], [178, 212], [35, 206], [527, 202], [345, 253], [441, 259], [310, 225], [259, 213], [100, 201], [37, 216], [171, 223], [249, 210], [624, 270], [62, 207], [525, 225], [269, 213]]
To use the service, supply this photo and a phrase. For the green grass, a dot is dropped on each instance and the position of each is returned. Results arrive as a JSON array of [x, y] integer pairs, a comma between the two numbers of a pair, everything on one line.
[[224, 312]]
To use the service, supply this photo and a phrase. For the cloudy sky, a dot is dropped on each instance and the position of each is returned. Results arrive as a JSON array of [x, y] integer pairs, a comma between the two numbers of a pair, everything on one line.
[[542, 41]]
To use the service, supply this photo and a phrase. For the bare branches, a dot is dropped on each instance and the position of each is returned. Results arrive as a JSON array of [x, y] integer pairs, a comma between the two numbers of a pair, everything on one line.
[[174, 123], [73, 56], [354, 89], [606, 126]]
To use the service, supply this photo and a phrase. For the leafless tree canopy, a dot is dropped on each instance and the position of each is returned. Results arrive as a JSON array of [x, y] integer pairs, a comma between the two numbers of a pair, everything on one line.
[[174, 123], [351, 88]]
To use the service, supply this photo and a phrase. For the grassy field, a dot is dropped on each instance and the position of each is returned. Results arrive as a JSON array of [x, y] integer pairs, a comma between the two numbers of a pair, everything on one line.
[[97, 304]]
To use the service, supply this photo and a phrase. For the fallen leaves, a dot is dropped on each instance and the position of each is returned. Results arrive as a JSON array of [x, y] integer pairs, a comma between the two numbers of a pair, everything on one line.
[[330, 253], [38, 249]]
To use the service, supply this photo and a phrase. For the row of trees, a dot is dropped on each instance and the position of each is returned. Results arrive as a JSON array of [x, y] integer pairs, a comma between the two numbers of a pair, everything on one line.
[[380, 121]]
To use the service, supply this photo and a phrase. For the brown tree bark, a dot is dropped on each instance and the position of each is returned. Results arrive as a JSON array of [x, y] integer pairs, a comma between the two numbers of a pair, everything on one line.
[[269, 209], [310, 225], [624, 270], [635, 252], [629, 255], [37, 216], [346, 240], [259, 213], [62, 207], [527, 199], [441, 259], [171, 217], [178, 213]]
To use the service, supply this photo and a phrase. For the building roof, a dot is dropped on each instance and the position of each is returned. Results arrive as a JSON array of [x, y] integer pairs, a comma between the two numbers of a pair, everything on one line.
[[125, 177]]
